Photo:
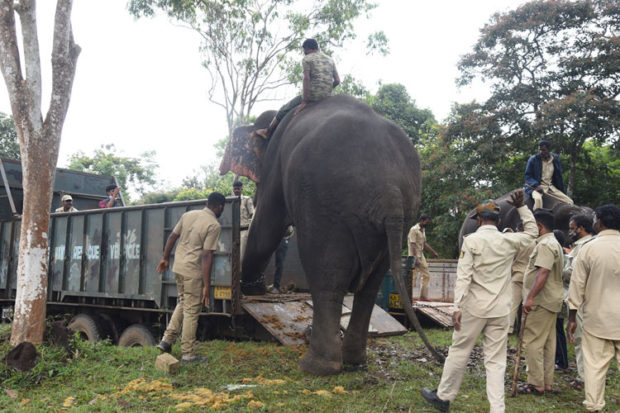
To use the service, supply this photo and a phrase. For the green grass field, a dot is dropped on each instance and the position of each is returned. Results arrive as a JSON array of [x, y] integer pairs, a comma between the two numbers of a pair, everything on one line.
[[258, 376]]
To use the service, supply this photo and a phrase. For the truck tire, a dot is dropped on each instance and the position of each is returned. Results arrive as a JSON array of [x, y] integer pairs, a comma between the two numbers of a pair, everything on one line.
[[87, 327], [136, 335]]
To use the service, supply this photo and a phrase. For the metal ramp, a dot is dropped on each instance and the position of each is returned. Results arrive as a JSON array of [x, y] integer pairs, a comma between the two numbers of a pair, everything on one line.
[[287, 317], [440, 313]]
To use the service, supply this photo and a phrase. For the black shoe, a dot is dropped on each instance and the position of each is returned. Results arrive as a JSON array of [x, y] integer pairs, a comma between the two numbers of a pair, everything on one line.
[[431, 397], [164, 346]]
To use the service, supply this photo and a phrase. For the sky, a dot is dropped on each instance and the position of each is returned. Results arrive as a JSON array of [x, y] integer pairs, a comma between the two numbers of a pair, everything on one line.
[[140, 85]]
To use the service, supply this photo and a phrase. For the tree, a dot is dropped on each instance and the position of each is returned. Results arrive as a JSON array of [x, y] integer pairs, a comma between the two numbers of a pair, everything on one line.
[[39, 139], [393, 102], [9, 144], [251, 47], [554, 73], [138, 172]]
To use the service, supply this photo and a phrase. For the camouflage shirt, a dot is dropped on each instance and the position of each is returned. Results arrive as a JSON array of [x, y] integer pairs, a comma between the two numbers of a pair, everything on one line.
[[322, 70]]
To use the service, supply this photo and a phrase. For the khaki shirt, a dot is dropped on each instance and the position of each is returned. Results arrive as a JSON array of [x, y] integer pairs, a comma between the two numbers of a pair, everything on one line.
[[519, 265], [247, 211], [322, 70], [547, 173], [483, 272], [61, 209], [417, 236], [569, 260], [547, 254], [198, 230], [595, 284]]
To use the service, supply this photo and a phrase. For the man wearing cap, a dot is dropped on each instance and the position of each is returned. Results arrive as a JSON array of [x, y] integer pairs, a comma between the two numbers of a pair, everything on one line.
[[594, 288], [320, 77], [67, 204], [246, 212], [416, 240], [542, 287], [482, 297], [543, 175], [198, 232]]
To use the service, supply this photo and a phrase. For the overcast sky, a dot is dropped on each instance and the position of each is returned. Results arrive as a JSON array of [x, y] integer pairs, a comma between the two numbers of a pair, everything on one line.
[[140, 85]]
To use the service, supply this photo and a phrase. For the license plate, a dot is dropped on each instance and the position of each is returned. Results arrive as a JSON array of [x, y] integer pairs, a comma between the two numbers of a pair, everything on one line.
[[394, 301], [222, 293]]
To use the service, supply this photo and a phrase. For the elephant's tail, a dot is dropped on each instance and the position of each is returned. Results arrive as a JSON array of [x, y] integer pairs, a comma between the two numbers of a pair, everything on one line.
[[394, 232]]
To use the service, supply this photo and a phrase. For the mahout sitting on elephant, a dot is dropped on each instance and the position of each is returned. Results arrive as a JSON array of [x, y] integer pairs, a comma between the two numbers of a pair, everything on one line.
[[349, 180]]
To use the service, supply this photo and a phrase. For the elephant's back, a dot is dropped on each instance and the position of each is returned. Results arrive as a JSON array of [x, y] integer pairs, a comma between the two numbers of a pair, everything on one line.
[[341, 145]]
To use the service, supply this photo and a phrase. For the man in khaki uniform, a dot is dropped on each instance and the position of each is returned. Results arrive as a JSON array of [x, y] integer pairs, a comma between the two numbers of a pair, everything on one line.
[[519, 265], [246, 213], [594, 288], [482, 296], [67, 204], [199, 233], [543, 176], [416, 241], [580, 232], [542, 287]]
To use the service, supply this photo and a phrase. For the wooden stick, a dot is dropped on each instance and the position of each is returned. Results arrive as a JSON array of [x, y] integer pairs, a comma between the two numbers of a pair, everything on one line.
[[518, 356]]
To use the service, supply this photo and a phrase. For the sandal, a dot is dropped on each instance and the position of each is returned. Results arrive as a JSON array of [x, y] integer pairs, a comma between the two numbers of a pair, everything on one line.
[[530, 389], [553, 391]]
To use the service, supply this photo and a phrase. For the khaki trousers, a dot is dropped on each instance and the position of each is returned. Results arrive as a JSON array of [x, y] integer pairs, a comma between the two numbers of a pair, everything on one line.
[[578, 345], [494, 332], [185, 316], [597, 356], [539, 346], [517, 298], [421, 267], [553, 192]]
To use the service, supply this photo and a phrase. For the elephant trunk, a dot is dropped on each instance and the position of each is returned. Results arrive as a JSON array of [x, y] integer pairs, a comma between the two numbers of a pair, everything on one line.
[[394, 232]]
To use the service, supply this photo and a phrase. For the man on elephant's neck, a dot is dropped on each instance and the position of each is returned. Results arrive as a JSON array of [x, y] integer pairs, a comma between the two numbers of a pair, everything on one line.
[[320, 77]]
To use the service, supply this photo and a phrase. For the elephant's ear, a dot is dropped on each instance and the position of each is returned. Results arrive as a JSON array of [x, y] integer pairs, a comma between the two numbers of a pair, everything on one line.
[[240, 156], [244, 151]]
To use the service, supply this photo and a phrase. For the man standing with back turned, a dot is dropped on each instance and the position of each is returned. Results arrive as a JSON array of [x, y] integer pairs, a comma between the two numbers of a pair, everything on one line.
[[198, 232], [482, 296], [595, 288]]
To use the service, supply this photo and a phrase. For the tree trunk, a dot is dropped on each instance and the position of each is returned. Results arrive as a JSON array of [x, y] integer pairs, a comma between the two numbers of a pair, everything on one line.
[[39, 141], [38, 167]]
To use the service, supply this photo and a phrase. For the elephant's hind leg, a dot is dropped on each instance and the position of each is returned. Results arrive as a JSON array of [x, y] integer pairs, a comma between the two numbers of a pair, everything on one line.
[[354, 345], [324, 356]]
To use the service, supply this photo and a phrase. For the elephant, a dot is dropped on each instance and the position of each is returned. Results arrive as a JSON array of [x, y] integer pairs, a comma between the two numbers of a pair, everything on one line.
[[509, 217], [349, 181]]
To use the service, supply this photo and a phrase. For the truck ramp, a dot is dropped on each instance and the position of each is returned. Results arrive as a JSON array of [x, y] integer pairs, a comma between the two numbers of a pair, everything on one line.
[[441, 313], [288, 317]]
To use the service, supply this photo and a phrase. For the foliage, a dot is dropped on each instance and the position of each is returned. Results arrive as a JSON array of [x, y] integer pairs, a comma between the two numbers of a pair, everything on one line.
[[600, 174], [9, 144], [554, 73], [352, 87], [97, 378], [252, 47], [449, 190], [138, 173], [393, 102], [158, 197]]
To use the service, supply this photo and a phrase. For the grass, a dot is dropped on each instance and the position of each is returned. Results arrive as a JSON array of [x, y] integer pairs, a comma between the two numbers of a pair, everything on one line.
[[106, 378]]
